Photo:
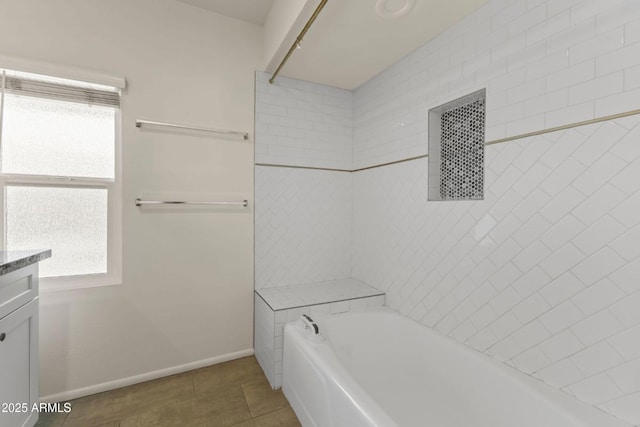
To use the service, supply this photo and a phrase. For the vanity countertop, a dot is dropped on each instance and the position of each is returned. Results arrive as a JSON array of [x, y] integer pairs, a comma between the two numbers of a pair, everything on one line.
[[14, 260]]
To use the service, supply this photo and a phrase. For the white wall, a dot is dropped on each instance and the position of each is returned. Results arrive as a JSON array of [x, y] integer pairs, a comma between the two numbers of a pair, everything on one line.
[[542, 274], [188, 277], [279, 27]]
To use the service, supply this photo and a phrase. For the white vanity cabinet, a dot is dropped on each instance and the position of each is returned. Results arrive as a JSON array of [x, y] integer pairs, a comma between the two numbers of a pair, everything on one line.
[[19, 367], [19, 359]]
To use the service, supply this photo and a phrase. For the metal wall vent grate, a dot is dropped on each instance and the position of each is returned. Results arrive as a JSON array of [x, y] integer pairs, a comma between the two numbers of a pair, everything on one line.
[[456, 149]]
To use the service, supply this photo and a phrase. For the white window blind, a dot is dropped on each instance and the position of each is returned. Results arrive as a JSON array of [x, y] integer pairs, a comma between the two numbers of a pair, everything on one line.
[[59, 89]]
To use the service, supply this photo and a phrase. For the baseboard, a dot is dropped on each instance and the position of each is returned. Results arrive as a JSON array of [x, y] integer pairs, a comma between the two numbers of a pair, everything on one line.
[[123, 382]]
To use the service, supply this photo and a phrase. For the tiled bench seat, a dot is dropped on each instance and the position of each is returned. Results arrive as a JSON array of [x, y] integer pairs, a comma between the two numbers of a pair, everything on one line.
[[276, 306]]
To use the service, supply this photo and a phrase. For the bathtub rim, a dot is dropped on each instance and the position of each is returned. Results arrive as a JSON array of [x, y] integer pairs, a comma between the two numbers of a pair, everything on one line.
[[367, 406], [580, 412]]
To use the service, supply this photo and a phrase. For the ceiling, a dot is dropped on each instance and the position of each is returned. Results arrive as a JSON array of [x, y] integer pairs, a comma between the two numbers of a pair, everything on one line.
[[254, 11], [349, 43]]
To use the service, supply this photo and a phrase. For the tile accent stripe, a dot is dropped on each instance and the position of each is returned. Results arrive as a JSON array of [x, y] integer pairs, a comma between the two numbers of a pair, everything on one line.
[[391, 163], [564, 127], [344, 170], [274, 165], [495, 141]]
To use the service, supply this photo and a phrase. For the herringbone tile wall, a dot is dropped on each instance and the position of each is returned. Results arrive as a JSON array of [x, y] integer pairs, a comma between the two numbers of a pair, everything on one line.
[[303, 226], [543, 274]]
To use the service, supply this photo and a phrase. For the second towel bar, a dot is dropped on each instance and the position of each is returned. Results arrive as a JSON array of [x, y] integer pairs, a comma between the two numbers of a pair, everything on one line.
[[140, 202], [140, 123]]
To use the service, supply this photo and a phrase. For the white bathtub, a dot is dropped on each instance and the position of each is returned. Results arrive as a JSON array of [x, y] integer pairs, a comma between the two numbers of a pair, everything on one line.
[[382, 369]]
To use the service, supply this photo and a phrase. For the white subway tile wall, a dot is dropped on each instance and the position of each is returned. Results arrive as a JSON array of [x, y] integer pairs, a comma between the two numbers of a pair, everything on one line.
[[302, 226], [558, 62], [303, 124], [264, 337], [550, 286]]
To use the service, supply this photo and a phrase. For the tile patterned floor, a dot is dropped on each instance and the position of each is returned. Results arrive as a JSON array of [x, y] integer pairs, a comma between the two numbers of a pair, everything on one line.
[[234, 393]]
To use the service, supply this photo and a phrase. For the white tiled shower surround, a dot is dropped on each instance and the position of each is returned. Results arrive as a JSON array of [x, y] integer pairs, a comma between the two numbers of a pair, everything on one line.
[[303, 124], [303, 226], [545, 273], [303, 216], [543, 63]]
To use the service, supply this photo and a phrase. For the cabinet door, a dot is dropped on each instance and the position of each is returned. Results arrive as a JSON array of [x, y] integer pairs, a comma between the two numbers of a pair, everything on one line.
[[18, 288], [19, 366]]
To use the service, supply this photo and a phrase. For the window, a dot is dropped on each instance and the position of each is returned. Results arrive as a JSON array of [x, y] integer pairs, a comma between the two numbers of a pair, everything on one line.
[[456, 149], [59, 153]]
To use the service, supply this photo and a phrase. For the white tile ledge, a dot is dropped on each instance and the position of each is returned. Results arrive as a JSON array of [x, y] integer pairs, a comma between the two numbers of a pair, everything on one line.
[[295, 296]]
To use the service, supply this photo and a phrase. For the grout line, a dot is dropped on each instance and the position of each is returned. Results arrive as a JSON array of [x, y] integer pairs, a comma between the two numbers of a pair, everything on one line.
[[287, 405], [193, 382], [246, 403]]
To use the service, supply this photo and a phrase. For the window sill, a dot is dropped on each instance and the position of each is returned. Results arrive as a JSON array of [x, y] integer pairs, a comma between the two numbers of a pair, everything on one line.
[[67, 283]]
